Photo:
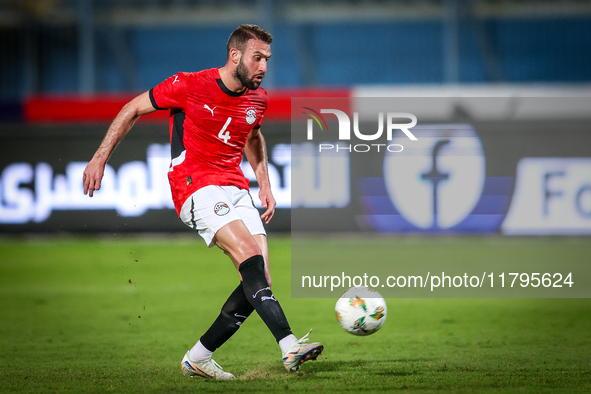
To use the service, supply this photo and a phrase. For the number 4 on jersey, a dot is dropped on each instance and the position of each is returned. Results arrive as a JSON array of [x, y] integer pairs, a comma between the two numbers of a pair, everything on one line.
[[225, 134]]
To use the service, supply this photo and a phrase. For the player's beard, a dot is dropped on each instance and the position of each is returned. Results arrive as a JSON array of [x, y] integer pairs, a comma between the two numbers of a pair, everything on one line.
[[241, 73]]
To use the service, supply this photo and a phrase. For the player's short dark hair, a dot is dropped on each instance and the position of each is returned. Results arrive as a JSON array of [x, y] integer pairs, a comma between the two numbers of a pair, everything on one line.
[[239, 38]]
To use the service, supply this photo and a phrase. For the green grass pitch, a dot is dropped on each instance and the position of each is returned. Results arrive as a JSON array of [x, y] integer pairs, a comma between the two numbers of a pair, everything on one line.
[[116, 314]]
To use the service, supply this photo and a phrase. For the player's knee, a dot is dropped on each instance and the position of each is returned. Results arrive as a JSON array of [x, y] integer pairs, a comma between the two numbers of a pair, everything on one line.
[[253, 267], [238, 246], [253, 250], [245, 251]]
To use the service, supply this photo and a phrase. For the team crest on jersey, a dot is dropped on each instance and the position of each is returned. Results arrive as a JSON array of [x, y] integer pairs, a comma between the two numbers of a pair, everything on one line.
[[251, 115], [221, 208]]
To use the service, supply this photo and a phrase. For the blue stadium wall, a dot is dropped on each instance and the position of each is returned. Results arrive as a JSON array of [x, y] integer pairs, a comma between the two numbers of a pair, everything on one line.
[[336, 54]]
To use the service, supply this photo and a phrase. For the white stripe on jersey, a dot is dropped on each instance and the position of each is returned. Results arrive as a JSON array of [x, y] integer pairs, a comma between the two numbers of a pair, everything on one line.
[[177, 160]]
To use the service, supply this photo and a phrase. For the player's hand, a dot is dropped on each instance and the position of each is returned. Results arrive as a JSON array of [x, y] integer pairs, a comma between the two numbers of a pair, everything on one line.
[[93, 174], [268, 202]]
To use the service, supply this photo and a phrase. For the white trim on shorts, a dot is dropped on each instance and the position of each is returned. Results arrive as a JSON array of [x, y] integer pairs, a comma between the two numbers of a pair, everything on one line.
[[212, 207]]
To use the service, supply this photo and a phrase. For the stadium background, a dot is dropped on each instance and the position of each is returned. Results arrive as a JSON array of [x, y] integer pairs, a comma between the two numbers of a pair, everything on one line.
[[67, 67], [103, 305]]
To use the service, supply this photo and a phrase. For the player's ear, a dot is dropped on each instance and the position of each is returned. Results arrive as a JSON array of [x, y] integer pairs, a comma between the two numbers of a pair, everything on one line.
[[234, 55]]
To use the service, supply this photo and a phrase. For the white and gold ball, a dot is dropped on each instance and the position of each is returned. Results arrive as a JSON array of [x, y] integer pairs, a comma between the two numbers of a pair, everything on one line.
[[361, 311]]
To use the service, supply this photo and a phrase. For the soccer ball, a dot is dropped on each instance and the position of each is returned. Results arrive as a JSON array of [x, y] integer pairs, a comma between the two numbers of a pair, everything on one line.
[[361, 311]]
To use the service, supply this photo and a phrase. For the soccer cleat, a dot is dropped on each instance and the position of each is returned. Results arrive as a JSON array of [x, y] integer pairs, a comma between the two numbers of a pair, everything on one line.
[[300, 352], [207, 368]]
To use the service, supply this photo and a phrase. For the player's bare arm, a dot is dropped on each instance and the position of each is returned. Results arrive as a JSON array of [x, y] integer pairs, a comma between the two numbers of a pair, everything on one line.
[[256, 153], [123, 122]]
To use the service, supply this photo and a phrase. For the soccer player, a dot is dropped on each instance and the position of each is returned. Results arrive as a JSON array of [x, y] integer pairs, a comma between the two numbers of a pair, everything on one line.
[[215, 117]]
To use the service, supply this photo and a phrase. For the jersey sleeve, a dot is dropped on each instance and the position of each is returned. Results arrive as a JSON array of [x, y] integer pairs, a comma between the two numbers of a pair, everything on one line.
[[170, 93]]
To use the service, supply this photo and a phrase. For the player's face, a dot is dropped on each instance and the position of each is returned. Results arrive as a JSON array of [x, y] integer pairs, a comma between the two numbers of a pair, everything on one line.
[[252, 66]]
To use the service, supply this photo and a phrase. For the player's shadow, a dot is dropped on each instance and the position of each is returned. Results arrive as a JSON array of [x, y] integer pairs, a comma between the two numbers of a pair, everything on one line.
[[330, 366]]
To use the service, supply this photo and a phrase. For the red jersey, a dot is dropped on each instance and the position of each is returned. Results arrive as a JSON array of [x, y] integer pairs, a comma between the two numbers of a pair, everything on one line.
[[209, 126]]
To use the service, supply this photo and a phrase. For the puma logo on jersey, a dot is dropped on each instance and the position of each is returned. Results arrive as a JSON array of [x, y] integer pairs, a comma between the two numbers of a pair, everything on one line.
[[176, 79], [210, 109]]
